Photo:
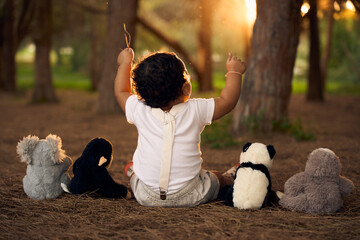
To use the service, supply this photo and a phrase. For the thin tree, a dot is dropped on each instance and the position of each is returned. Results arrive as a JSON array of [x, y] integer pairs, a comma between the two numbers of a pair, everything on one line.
[[204, 45], [8, 46], [119, 12], [327, 49], [43, 89], [267, 85], [315, 86]]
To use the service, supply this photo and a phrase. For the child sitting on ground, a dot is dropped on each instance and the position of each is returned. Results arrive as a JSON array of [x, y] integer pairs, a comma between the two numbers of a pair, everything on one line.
[[166, 168]]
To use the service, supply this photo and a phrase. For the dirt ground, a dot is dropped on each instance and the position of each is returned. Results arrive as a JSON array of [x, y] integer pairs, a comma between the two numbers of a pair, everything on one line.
[[335, 123]]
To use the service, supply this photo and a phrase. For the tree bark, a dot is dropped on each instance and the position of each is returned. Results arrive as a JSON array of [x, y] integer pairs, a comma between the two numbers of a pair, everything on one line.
[[119, 12], [2, 24], [315, 89], [204, 46], [25, 19], [43, 89], [9, 47], [94, 56], [327, 50], [267, 84]]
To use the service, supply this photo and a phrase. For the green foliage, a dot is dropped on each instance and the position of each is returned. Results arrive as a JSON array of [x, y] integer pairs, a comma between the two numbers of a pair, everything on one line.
[[80, 56], [345, 52], [294, 129], [343, 73], [217, 135]]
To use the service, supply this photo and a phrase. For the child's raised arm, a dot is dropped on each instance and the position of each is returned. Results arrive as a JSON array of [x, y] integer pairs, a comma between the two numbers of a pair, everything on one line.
[[231, 92], [122, 85]]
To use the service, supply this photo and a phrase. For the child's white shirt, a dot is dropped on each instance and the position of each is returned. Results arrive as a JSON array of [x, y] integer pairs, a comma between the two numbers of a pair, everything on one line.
[[186, 158]]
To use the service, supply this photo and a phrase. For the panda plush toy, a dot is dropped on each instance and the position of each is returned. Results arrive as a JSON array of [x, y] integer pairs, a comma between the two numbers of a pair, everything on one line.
[[252, 184]]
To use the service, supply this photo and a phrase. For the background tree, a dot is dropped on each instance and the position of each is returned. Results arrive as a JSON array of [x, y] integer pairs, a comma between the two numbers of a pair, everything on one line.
[[8, 46], [119, 12], [315, 86], [43, 88], [329, 13], [267, 85], [204, 45], [86, 24], [15, 21]]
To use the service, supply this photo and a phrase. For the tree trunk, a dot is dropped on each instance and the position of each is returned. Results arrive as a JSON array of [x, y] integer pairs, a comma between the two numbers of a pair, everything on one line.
[[204, 46], [315, 89], [267, 84], [43, 89], [2, 24], [119, 12], [9, 46], [94, 56], [327, 50], [25, 18]]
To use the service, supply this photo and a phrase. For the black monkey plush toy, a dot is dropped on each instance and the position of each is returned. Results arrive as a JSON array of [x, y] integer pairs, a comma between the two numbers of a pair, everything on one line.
[[91, 175]]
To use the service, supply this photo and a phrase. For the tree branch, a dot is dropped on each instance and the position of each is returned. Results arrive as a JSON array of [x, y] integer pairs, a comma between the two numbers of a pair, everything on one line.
[[87, 7], [171, 42]]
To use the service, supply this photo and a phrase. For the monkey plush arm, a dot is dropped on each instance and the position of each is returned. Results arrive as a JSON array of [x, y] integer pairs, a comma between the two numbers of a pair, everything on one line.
[[295, 185]]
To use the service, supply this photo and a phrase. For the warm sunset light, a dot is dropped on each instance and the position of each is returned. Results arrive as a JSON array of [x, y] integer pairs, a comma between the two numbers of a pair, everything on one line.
[[305, 8], [337, 6], [251, 13], [350, 6]]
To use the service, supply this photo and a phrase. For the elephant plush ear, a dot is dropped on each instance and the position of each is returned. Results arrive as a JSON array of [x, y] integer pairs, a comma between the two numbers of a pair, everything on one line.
[[55, 148], [26, 147]]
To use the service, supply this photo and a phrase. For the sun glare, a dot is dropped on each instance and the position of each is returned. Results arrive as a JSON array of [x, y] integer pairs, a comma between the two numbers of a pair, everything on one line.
[[350, 6], [305, 8], [251, 10]]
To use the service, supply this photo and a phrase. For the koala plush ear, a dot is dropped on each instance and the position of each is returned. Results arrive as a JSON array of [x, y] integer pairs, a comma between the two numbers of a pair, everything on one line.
[[246, 146], [271, 150], [25, 148], [57, 153]]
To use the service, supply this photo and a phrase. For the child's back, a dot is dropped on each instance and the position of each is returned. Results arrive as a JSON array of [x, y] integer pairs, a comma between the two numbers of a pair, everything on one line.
[[167, 161]]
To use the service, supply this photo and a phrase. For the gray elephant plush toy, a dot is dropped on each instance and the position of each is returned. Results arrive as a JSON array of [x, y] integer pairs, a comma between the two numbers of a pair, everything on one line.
[[320, 188], [47, 166]]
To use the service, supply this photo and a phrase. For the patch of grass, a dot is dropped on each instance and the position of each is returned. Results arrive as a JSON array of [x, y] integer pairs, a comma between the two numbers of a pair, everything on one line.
[[63, 77], [217, 135], [343, 88], [295, 129]]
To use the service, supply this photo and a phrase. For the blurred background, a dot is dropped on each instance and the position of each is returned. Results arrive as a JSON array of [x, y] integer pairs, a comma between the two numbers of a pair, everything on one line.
[[79, 28]]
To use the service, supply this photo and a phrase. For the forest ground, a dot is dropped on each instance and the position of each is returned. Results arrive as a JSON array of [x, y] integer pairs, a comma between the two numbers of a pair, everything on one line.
[[335, 124]]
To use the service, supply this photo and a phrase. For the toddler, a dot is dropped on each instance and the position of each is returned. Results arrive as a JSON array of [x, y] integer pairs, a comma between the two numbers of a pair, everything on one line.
[[166, 168]]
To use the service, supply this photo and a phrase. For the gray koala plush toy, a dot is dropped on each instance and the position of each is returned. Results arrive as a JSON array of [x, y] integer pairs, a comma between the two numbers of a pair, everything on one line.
[[47, 166], [320, 188]]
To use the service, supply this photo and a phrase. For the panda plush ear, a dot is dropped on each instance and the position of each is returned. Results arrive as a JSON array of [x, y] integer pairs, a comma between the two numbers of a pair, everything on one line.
[[271, 150], [246, 146]]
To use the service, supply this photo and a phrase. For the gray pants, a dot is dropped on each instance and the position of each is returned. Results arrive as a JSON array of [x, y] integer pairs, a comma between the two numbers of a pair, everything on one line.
[[201, 189]]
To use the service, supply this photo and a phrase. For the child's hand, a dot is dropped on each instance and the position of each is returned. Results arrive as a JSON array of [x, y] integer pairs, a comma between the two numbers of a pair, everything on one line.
[[126, 56], [235, 64]]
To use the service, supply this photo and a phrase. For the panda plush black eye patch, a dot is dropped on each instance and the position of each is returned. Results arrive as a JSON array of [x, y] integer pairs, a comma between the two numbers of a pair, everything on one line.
[[246, 146]]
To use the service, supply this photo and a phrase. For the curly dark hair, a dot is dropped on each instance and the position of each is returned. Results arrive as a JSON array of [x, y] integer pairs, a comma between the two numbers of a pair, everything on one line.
[[158, 79]]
